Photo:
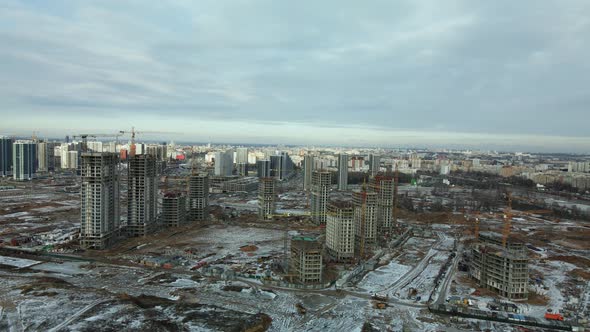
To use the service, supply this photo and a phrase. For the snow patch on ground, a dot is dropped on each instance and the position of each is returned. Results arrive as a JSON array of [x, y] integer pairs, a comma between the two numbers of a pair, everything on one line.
[[380, 279], [17, 262]]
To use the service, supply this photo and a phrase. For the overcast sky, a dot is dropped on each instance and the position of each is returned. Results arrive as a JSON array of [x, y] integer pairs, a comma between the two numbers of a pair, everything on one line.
[[482, 74]]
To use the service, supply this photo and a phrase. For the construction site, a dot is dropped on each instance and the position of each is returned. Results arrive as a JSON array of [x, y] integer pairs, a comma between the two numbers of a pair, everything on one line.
[[266, 260]]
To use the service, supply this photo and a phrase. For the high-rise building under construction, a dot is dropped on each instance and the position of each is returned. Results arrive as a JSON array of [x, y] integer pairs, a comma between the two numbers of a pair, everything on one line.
[[365, 220], [198, 197], [321, 182], [266, 198], [342, 171], [383, 186], [173, 212], [142, 199], [308, 167], [340, 231], [99, 206]]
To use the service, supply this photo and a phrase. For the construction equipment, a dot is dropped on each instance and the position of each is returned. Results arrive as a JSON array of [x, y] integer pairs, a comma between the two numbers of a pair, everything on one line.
[[379, 305], [84, 137], [553, 316], [133, 132], [476, 225], [301, 309], [380, 297]]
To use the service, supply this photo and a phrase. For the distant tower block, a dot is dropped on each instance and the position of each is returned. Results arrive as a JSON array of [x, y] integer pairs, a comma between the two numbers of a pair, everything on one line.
[[99, 206], [242, 169], [173, 209], [266, 198], [24, 160], [342, 172], [375, 164], [142, 195], [5, 156], [320, 191], [263, 168], [198, 197], [308, 167]]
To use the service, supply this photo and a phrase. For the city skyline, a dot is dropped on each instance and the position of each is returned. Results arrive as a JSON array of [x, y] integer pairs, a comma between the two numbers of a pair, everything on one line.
[[499, 75]]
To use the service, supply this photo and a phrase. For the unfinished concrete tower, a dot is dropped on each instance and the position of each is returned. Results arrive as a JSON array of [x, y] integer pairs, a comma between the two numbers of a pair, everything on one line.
[[383, 186], [501, 269], [365, 221], [340, 231], [320, 191], [142, 195], [342, 171], [308, 166], [198, 197], [99, 208], [266, 198], [173, 209], [306, 260]]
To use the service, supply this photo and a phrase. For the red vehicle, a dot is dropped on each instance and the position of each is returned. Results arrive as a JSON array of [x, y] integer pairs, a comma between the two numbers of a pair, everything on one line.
[[552, 316]]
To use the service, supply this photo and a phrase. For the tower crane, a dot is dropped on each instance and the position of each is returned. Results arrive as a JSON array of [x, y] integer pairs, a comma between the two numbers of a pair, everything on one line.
[[133, 132]]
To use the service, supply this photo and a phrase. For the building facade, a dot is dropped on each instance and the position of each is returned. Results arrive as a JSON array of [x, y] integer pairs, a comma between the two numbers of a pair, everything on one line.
[[198, 197], [374, 164], [5, 156], [503, 270], [24, 160], [306, 262], [308, 168], [320, 191], [46, 156], [383, 186], [173, 209], [142, 195], [281, 166], [99, 207], [365, 220], [263, 168], [266, 198], [340, 231], [224, 163], [342, 171]]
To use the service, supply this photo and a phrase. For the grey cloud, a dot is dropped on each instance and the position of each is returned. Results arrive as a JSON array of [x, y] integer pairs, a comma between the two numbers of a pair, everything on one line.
[[501, 67]]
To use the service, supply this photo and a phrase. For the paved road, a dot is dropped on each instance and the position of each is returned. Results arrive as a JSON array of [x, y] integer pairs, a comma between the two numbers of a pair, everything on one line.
[[442, 294]]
